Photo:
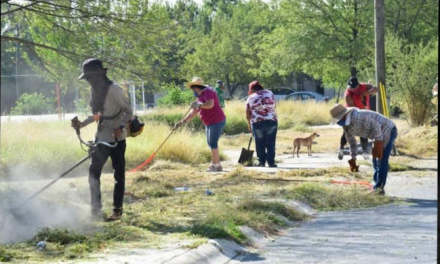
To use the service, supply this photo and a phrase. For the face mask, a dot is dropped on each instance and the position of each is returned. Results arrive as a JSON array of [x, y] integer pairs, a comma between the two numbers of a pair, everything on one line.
[[341, 123], [196, 95]]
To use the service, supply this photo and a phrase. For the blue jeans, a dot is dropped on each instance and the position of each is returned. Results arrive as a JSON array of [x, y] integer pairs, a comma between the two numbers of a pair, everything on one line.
[[265, 134], [381, 167], [213, 133]]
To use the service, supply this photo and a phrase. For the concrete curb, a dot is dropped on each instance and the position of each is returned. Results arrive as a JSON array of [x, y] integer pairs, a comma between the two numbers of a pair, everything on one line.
[[214, 252]]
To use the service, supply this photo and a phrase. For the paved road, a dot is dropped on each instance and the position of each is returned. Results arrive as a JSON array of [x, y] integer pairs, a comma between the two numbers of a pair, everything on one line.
[[400, 234]]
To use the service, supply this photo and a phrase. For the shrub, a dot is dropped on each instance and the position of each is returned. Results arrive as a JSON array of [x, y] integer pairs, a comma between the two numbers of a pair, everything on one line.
[[33, 104], [413, 69], [176, 96]]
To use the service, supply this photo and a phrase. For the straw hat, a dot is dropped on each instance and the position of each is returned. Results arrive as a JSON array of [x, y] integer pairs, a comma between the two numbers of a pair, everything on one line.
[[339, 111], [196, 81]]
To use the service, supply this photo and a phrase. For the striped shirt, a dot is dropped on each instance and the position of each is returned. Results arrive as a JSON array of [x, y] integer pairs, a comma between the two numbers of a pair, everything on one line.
[[367, 124]]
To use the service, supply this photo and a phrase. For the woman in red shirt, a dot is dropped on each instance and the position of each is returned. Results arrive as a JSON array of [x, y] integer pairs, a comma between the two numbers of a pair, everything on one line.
[[357, 95], [211, 114]]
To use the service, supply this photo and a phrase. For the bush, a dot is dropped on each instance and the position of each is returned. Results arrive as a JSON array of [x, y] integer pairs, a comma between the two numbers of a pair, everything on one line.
[[176, 96], [413, 69], [33, 104]]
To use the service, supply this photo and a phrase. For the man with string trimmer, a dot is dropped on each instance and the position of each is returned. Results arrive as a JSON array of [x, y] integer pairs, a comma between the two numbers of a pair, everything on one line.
[[112, 111]]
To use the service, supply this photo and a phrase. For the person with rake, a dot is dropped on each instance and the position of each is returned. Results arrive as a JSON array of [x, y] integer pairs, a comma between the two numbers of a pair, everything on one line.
[[212, 115]]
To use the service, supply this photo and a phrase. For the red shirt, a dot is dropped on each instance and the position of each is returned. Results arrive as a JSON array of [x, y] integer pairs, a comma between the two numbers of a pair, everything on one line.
[[214, 115], [357, 95]]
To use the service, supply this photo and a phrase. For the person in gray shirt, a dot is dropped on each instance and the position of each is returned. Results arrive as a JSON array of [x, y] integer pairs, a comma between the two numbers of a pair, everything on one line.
[[112, 112]]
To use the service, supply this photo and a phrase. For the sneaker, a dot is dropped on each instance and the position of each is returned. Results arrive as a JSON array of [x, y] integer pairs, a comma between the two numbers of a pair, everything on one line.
[[212, 168], [273, 166], [219, 167], [378, 191], [116, 216], [341, 154], [260, 165]]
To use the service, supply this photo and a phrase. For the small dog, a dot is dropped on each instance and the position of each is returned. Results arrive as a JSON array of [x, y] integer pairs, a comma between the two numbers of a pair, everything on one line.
[[304, 142]]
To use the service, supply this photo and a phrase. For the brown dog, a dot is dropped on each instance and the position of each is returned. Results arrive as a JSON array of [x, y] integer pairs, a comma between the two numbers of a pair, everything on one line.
[[304, 142]]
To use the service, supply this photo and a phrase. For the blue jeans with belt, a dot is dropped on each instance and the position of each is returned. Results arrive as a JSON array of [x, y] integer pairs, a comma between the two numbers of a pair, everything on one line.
[[381, 167], [265, 133]]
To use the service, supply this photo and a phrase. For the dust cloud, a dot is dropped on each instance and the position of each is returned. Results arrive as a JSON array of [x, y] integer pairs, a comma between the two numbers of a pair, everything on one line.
[[61, 206]]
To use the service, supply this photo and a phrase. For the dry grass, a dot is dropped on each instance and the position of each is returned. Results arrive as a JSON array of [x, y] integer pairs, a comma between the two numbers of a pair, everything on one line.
[[50, 147], [420, 142]]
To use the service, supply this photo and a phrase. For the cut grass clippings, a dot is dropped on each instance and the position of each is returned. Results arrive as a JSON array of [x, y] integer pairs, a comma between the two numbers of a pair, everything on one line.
[[157, 212]]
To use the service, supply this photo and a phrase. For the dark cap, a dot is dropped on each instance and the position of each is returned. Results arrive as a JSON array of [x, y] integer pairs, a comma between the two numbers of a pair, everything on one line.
[[353, 82], [91, 66], [220, 83]]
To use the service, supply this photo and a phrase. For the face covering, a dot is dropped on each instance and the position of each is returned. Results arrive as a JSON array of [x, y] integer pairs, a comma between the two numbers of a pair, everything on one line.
[[196, 95], [341, 123]]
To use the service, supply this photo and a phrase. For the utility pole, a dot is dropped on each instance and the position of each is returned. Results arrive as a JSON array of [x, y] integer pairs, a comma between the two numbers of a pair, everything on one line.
[[379, 6], [143, 96], [16, 62], [58, 92]]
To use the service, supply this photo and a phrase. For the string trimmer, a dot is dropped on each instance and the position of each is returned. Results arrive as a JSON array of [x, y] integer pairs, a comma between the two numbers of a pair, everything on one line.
[[91, 149]]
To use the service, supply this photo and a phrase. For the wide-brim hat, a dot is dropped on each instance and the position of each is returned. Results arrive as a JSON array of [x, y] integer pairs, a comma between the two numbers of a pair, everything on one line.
[[196, 81], [91, 66], [339, 111]]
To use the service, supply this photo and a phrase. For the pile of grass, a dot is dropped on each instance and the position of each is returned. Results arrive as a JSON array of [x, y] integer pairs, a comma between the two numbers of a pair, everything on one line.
[[420, 142], [334, 198]]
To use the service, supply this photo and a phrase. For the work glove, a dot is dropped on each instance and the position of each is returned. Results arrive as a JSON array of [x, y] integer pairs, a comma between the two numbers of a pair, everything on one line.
[[353, 165], [196, 106], [76, 124], [179, 125], [378, 150]]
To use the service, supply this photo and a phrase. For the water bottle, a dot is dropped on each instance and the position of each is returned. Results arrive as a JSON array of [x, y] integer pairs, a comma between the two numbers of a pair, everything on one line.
[[41, 245], [182, 189], [209, 193]]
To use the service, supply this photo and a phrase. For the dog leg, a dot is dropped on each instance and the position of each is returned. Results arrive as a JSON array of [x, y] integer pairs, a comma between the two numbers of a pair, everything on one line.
[[299, 147], [294, 148]]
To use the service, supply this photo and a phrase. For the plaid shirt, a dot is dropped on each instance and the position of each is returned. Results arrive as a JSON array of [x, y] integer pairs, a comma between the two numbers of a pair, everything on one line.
[[367, 124]]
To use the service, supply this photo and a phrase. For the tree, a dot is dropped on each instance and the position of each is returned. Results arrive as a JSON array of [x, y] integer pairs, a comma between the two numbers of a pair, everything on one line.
[[129, 36], [328, 40], [229, 51], [413, 69]]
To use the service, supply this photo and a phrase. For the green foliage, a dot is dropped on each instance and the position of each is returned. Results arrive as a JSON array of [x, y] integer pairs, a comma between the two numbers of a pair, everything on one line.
[[33, 104], [6, 255], [413, 69], [82, 106], [59, 236], [176, 96]]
